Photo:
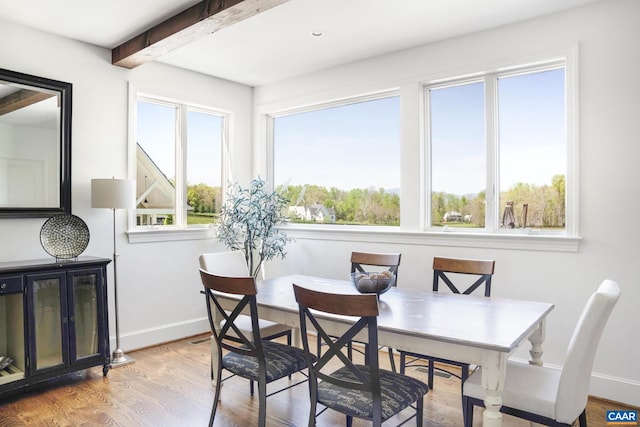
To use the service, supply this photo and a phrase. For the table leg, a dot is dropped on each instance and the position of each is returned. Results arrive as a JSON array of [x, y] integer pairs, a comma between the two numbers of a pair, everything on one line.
[[536, 339], [494, 369], [296, 338]]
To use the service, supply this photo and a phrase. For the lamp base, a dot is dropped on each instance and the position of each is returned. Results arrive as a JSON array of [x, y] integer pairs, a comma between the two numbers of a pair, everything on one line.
[[120, 359]]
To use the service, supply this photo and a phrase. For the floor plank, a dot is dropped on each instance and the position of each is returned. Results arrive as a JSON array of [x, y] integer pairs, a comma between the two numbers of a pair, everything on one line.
[[168, 385]]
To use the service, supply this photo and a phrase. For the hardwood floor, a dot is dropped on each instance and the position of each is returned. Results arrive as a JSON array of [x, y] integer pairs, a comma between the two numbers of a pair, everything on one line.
[[169, 385]]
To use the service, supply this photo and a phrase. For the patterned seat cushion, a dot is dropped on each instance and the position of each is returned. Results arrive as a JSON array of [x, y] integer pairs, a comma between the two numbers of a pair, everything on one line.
[[282, 360], [398, 392]]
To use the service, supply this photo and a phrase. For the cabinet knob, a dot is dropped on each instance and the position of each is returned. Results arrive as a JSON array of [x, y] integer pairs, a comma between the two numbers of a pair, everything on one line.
[[3, 286]]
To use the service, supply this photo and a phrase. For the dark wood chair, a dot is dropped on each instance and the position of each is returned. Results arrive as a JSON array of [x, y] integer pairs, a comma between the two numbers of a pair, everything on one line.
[[360, 261], [247, 355], [545, 395], [358, 391], [445, 269], [233, 264]]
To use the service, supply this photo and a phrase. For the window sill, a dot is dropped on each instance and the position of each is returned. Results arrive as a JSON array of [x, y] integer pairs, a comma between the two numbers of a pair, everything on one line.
[[167, 234], [516, 241]]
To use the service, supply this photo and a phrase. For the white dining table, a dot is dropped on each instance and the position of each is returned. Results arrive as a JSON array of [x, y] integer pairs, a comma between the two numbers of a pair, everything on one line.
[[477, 330]]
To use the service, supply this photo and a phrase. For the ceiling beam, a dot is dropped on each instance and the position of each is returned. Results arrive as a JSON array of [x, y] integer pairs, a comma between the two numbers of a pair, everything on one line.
[[20, 99], [204, 18]]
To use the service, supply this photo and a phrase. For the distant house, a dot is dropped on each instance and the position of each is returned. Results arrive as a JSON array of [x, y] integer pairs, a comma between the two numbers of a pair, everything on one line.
[[314, 213], [452, 217], [321, 213]]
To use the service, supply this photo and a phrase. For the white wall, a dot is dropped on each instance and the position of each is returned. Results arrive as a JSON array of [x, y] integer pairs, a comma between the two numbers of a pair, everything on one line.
[[607, 35], [158, 283]]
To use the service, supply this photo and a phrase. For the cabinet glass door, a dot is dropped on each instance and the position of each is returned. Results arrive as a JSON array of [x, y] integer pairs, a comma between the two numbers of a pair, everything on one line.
[[12, 357], [85, 313], [49, 319]]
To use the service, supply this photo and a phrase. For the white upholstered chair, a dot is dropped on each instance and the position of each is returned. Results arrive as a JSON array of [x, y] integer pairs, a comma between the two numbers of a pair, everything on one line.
[[233, 264], [549, 396]]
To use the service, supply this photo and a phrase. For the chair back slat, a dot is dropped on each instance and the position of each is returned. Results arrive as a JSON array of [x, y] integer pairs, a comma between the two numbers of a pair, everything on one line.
[[482, 268], [346, 305]]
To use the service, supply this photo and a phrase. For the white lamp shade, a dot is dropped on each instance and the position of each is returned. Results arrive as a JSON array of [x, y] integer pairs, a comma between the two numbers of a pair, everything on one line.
[[112, 193]]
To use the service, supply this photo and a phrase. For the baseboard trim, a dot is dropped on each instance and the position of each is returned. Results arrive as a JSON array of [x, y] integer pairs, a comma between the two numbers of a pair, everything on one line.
[[618, 390], [162, 334]]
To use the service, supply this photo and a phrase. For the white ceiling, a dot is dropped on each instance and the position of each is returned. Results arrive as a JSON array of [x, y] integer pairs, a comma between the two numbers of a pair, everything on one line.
[[277, 44]]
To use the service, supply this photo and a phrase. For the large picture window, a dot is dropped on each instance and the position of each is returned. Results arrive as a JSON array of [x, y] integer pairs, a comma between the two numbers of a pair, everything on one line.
[[498, 151], [340, 164], [179, 150]]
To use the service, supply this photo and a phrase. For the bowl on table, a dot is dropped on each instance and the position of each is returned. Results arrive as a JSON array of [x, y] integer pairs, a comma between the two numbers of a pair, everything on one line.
[[373, 283]]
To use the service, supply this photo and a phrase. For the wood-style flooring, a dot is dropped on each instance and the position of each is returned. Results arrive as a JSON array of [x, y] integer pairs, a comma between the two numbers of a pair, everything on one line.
[[169, 385]]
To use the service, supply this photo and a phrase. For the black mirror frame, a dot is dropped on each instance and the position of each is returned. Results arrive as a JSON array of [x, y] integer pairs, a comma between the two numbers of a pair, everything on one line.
[[65, 91]]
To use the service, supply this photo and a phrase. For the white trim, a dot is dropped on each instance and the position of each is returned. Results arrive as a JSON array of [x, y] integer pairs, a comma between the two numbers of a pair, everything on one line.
[[161, 334], [161, 233], [513, 241]]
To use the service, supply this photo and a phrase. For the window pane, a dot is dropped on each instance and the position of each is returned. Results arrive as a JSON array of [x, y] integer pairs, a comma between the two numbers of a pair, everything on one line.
[[532, 144], [458, 157], [204, 172], [341, 164], [155, 155]]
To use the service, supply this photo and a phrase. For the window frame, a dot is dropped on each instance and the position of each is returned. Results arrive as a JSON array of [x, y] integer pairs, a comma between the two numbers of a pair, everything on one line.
[[350, 100], [490, 80], [180, 230]]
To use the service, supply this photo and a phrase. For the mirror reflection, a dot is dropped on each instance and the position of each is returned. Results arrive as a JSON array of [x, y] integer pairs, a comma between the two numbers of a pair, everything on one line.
[[34, 145]]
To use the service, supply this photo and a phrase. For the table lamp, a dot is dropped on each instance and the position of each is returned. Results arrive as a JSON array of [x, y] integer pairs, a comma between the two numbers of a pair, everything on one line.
[[114, 194]]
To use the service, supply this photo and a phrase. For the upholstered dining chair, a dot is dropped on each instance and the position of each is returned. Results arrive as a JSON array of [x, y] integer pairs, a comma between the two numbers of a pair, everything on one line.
[[358, 391], [247, 355], [233, 264], [546, 395], [480, 273]]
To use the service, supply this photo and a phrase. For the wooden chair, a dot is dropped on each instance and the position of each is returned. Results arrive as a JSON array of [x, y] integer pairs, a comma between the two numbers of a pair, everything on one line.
[[546, 395], [360, 391], [444, 269], [233, 264], [360, 260], [247, 355]]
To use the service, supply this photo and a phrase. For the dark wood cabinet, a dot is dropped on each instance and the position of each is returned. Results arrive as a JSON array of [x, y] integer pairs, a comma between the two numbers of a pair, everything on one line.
[[53, 319]]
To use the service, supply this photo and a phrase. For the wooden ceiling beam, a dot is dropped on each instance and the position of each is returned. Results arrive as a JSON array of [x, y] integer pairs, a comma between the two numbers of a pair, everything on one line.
[[204, 18], [20, 99]]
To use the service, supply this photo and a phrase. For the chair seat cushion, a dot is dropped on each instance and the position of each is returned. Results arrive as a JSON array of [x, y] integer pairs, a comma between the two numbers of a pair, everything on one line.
[[281, 360], [528, 388], [398, 392]]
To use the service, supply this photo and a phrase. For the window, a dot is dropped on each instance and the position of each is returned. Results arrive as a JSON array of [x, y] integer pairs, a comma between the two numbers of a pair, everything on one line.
[[178, 163], [340, 164], [498, 151]]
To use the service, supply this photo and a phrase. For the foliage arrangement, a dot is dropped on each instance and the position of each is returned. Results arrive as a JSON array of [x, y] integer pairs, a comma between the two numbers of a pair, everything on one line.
[[249, 220]]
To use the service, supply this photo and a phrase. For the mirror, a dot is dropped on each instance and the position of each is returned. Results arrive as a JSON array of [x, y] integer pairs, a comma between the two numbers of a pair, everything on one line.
[[35, 146]]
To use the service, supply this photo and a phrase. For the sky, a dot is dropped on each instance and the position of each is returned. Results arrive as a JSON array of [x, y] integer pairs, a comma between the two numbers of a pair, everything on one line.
[[358, 145], [156, 132], [350, 146]]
